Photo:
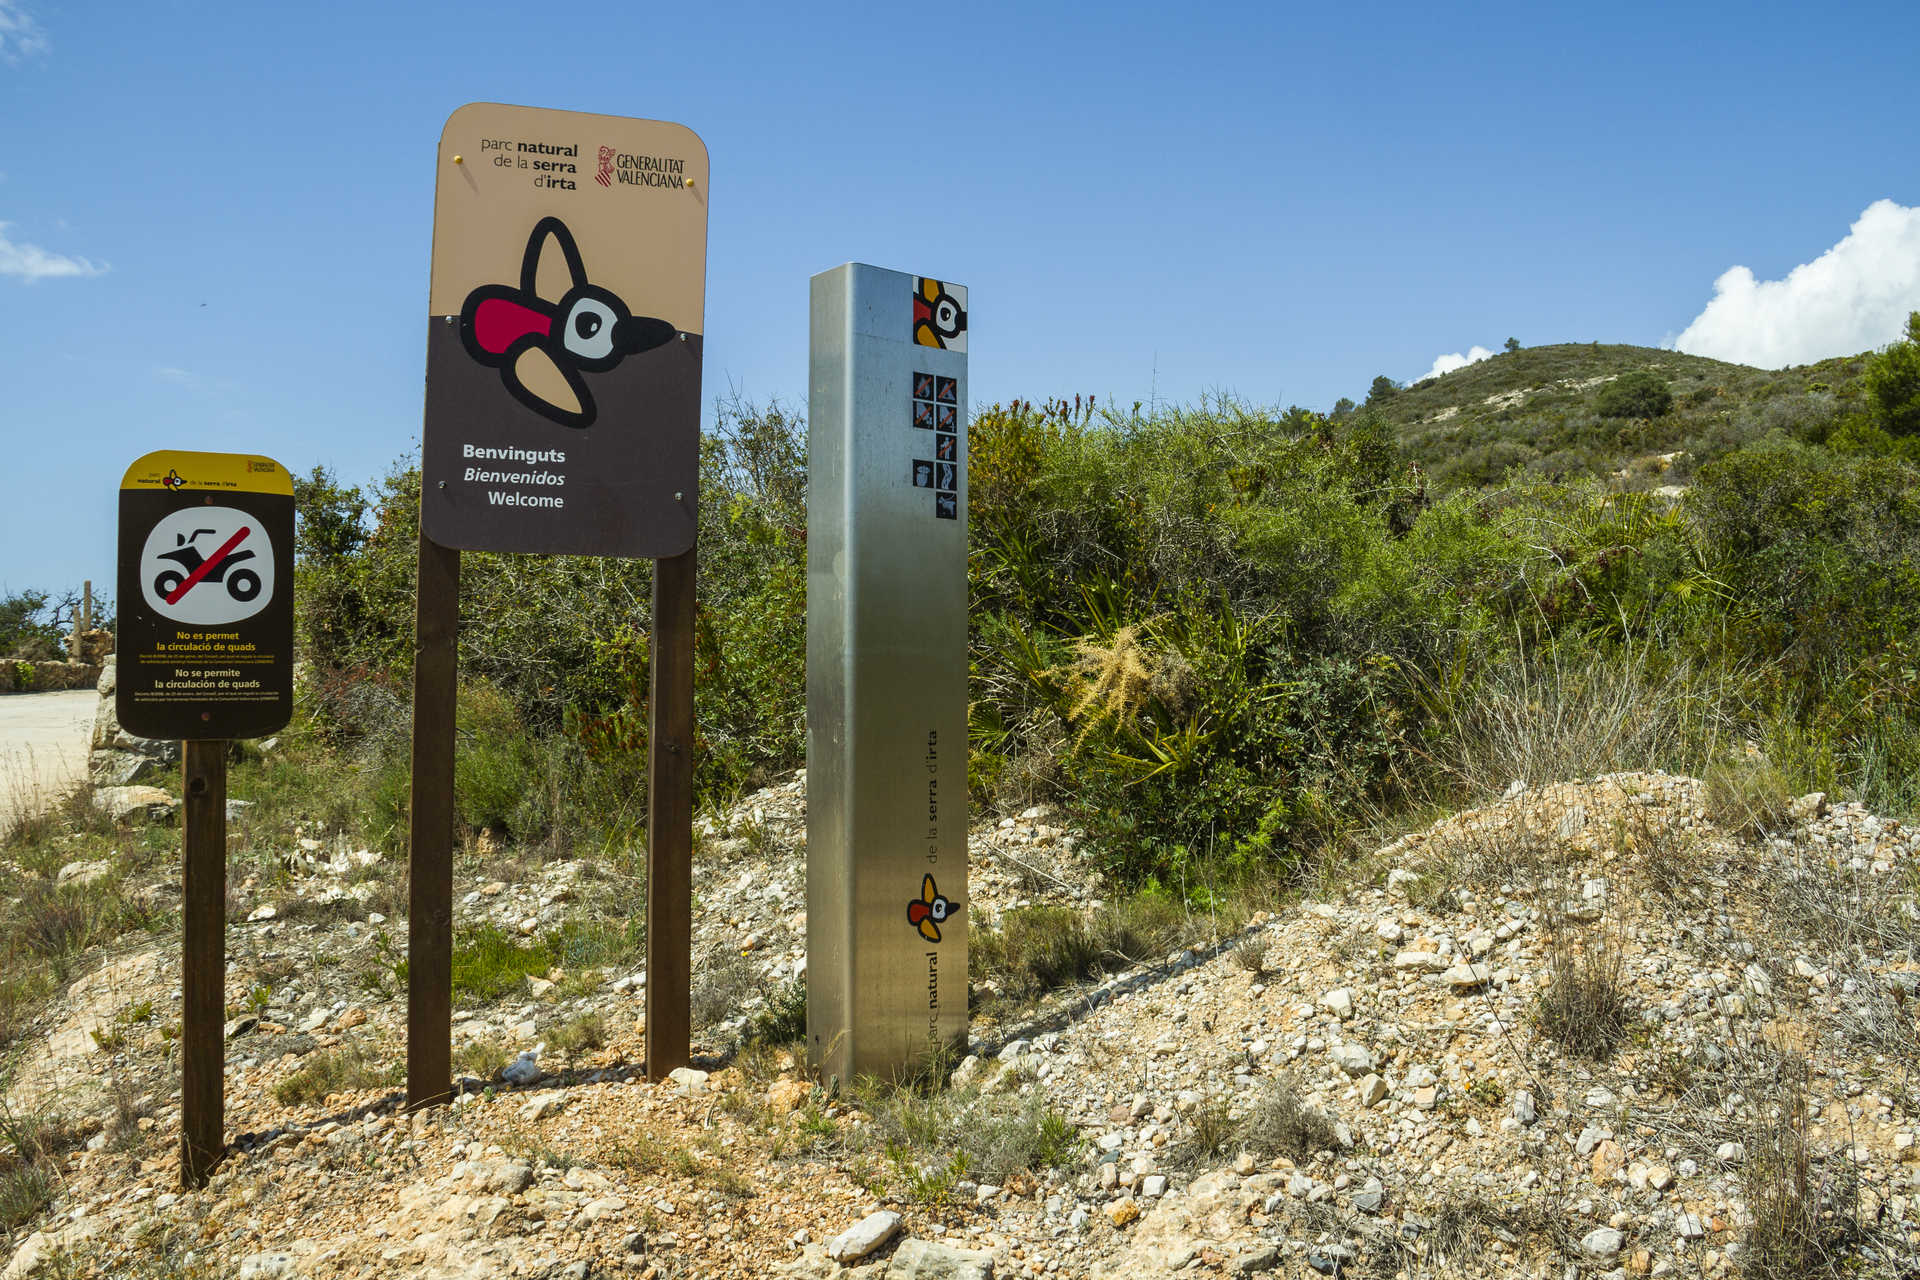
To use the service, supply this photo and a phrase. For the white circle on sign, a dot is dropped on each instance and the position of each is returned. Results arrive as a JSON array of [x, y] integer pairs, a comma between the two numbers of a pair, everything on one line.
[[207, 565]]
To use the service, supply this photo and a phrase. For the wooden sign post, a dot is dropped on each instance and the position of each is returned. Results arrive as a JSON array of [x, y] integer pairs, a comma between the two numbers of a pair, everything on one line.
[[563, 417], [206, 656]]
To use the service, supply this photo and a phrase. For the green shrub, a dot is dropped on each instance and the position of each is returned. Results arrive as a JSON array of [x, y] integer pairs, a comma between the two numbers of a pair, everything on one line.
[[1212, 635], [1893, 383], [500, 776], [1634, 395]]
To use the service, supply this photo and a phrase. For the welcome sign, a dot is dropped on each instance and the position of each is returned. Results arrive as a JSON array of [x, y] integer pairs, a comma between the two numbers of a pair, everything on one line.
[[564, 334]]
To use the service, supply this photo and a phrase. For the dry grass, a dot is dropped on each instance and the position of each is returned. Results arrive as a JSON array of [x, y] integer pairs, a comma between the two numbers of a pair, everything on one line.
[[1119, 678], [577, 1036], [482, 1059], [645, 1154], [722, 981], [1251, 953], [1805, 1211], [1281, 1122], [932, 1135], [1554, 719], [1747, 797], [1587, 1008], [1826, 904], [1508, 852]]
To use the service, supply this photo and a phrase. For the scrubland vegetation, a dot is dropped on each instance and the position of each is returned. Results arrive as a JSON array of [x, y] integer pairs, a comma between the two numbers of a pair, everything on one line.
[[1234, 647], [1221, 637]]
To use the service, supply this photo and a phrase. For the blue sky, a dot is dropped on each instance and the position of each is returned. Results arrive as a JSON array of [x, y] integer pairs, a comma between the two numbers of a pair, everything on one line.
[[218, 216]]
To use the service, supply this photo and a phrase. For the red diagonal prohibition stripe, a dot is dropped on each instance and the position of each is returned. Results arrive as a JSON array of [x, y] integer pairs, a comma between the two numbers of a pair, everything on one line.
[[208, 565]]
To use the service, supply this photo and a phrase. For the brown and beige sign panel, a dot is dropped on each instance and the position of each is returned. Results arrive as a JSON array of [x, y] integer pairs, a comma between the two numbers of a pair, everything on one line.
[[564, 334]]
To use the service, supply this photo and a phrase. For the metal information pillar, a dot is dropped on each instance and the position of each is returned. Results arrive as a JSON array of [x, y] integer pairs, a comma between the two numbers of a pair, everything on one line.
[[886, 672]]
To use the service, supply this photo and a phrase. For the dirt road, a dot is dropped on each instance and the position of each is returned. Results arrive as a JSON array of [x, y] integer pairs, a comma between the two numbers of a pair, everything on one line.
[[43, 748]]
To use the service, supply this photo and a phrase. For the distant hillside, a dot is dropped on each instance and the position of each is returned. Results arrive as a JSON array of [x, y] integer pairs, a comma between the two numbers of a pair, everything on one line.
[[1535, 408]]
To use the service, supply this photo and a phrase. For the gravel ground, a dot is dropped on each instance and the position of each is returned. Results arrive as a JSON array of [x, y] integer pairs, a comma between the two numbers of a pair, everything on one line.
[[1373, 1084]]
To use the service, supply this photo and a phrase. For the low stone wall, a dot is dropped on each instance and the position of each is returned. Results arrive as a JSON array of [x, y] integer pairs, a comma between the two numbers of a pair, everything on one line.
[[118, 758], [46, 677], [26, 675]]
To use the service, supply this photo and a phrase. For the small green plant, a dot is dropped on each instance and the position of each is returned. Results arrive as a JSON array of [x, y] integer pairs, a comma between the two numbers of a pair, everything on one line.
[[815, 1127], [1487, 1091], [644, 1153], [582, 1034], [784, 1020], [259, 997], [489, 963], [930, 1184], [1037, 949], [25, 1189], [481, 1058], [1251, 954], [29, 1149], [335, 1071], [537, 1151]]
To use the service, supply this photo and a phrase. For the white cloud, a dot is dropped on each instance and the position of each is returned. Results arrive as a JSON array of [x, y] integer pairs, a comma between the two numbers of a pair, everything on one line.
[[30, 262], [20, 35], [1853, 297], [1447, 364]]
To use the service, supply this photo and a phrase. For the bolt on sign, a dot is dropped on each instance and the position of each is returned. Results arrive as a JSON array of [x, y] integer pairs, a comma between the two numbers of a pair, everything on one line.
[[564, 334], [887, 903], [206, 596]]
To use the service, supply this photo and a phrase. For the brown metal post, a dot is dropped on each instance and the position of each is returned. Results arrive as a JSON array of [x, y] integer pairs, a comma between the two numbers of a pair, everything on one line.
[[670, 819], [203, 976], [430, 831]]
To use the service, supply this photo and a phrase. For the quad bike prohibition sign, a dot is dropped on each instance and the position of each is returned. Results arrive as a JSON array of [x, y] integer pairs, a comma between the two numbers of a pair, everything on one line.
[[243, 586]]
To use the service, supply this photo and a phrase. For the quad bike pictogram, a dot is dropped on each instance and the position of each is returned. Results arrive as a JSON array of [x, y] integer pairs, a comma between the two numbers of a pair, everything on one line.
[[241, 584]]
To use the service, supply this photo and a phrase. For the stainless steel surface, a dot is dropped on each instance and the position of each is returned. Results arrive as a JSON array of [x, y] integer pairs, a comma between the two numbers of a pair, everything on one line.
[[886, 690]]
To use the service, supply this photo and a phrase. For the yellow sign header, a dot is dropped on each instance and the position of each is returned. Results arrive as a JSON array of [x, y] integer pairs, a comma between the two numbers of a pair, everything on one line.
[[185, 472]]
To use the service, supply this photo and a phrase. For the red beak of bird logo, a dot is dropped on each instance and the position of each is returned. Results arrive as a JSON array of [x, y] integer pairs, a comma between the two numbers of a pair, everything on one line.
[[927, 911], [542, 345]]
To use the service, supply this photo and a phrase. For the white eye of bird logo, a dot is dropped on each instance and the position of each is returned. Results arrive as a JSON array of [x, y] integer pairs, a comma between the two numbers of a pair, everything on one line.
[[541, 345], [929, 910]]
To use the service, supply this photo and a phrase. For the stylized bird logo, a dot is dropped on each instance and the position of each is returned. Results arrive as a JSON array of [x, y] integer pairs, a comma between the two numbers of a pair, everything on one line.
[[927, 911], [938, 317], [542, 341], [173, 480]]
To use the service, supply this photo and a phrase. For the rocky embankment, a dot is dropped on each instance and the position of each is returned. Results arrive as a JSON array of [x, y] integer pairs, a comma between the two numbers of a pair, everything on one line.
[[1580, 1030]]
